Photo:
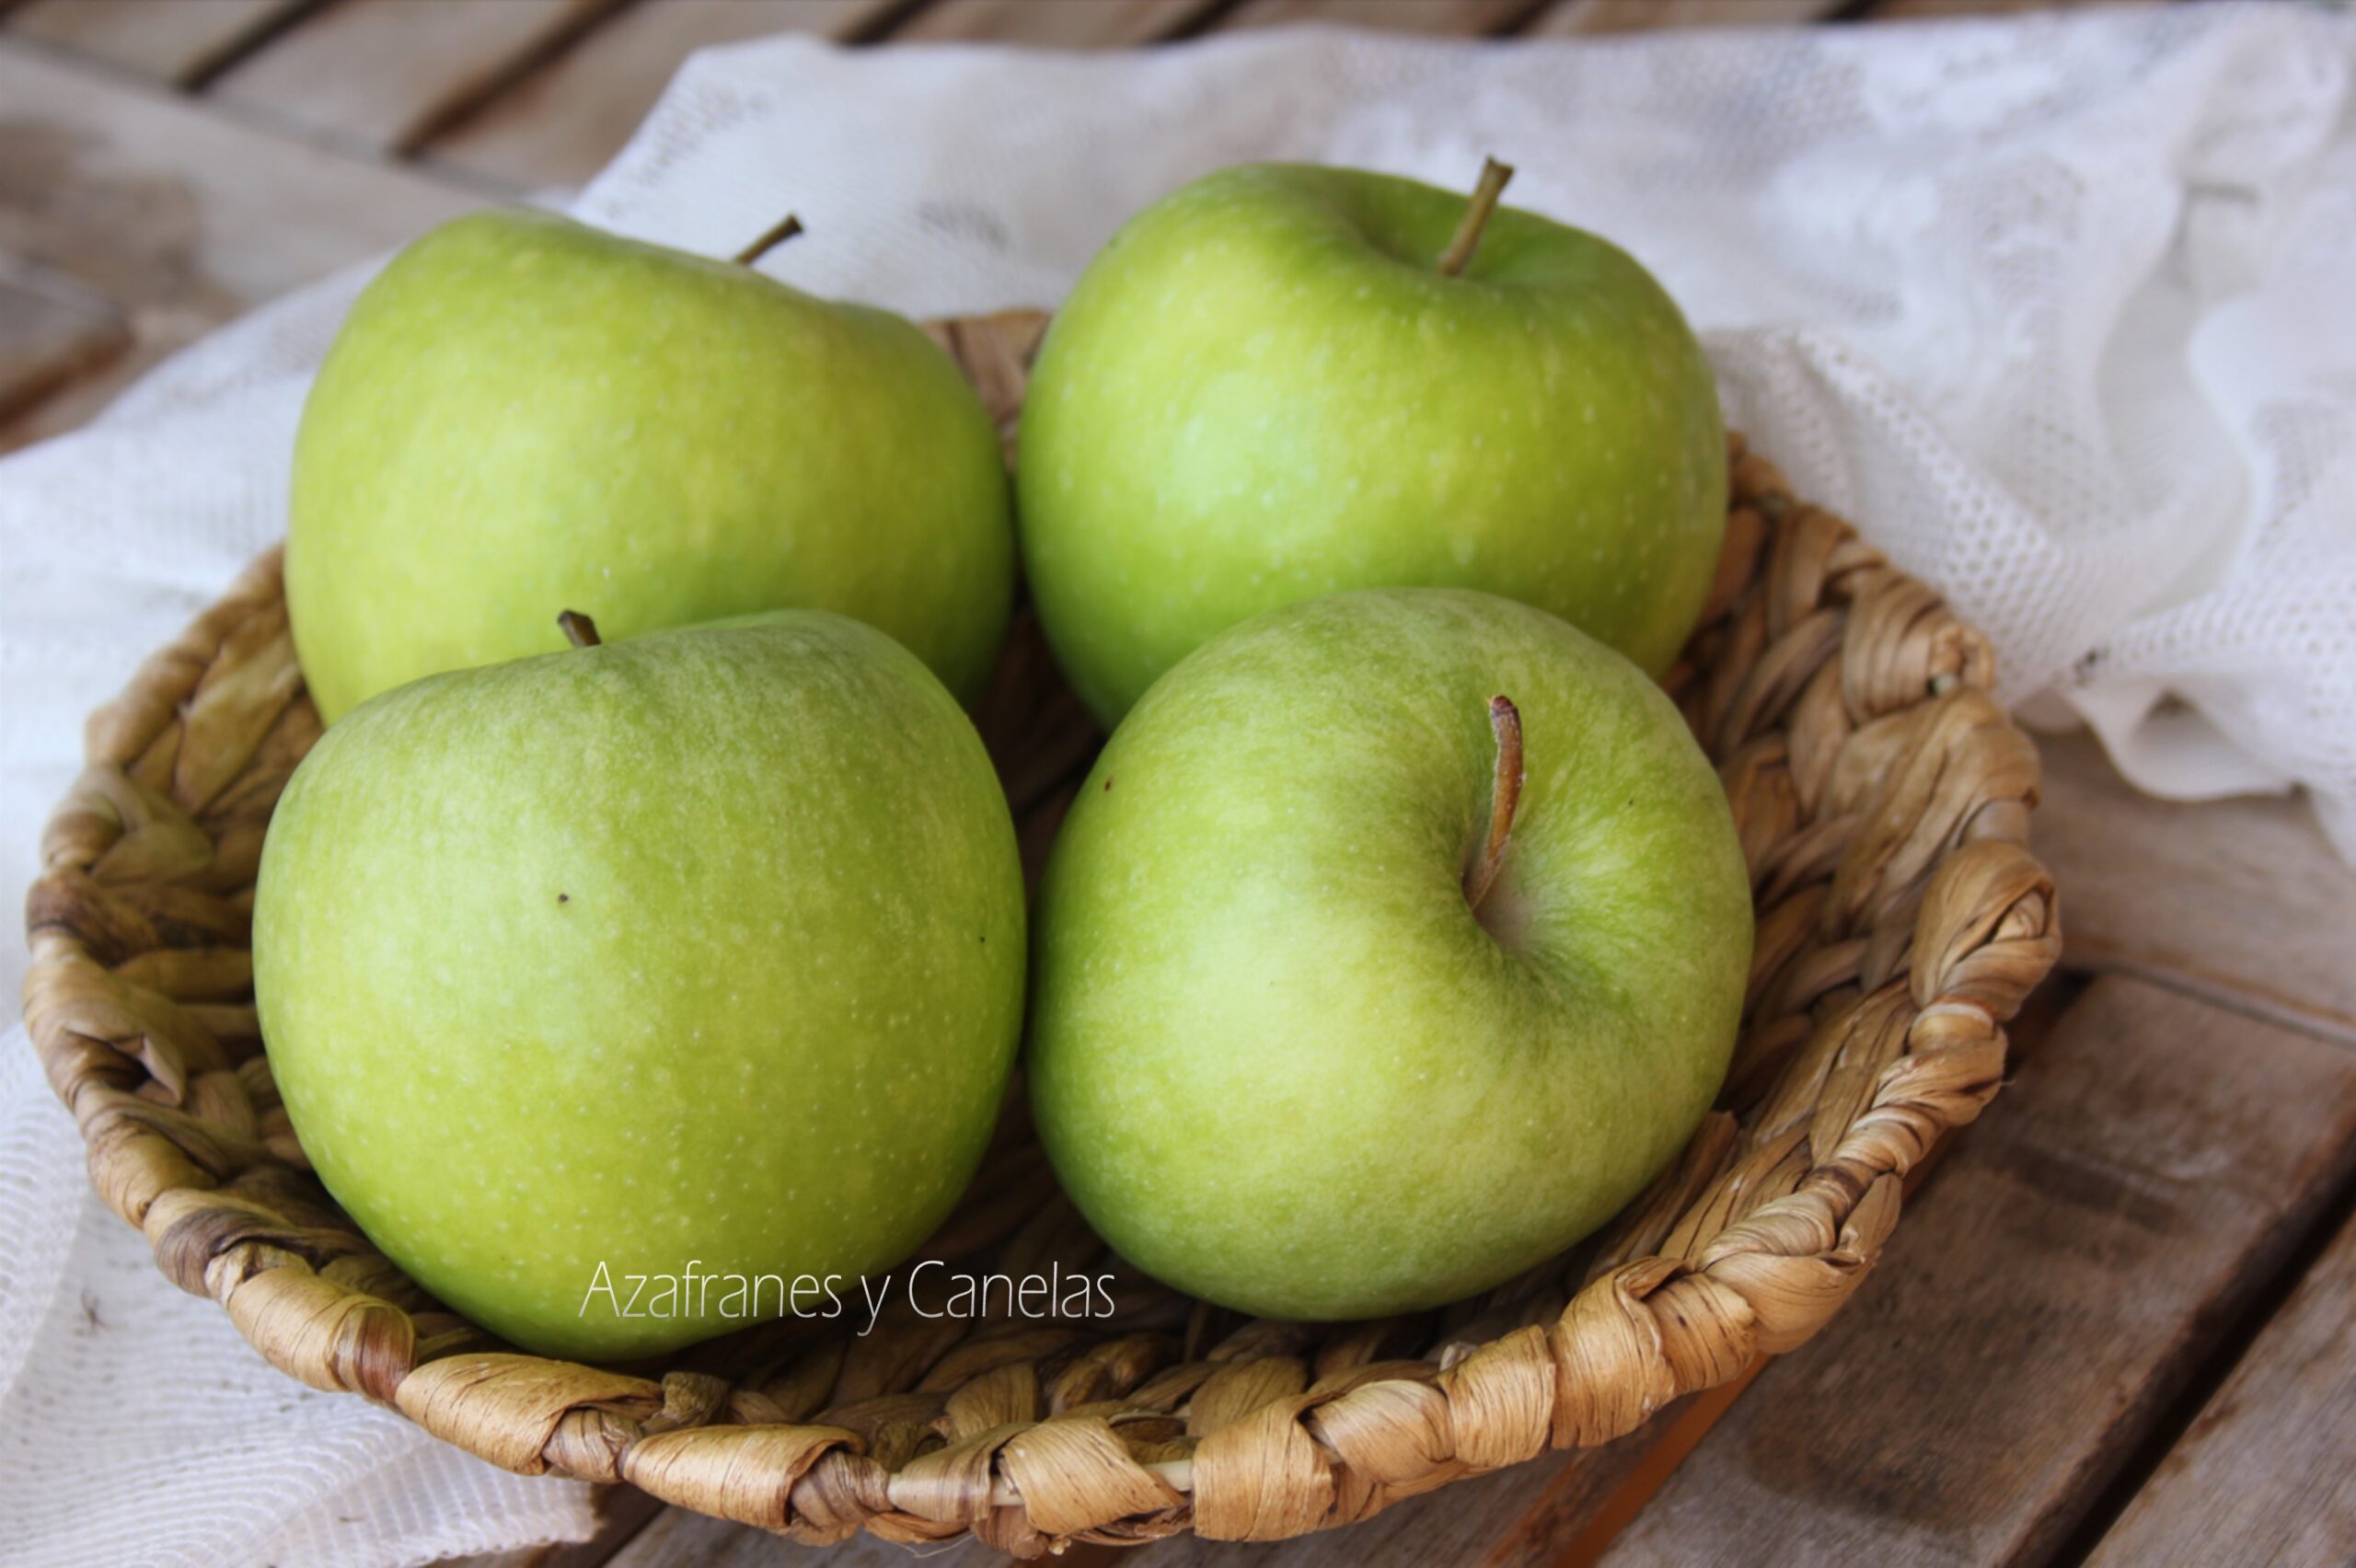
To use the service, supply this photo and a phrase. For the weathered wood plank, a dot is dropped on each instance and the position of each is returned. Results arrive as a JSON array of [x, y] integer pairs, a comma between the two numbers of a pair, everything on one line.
[[178, 42], [2131, 1190], [1465, 17], [561, 123], [50, 330], [1580, 17], [2267, 1472], [177, 218], [1922, 10], [384, 75], [1106, 24], [2241, 900]]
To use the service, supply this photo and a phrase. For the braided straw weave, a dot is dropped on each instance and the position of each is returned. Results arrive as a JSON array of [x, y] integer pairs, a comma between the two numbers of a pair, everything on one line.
[[1882, 801]]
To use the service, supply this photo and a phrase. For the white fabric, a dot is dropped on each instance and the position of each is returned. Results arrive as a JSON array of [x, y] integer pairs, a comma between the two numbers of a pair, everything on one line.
[[2062, 311]]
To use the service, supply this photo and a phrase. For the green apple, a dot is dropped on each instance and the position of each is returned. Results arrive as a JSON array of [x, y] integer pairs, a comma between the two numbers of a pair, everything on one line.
[[1286, 381], [523, 412], [1397, 940], [693, 955]]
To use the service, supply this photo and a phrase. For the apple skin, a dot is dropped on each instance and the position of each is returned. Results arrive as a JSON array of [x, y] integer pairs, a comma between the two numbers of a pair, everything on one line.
[[704, 946], [1274, 1055], [522, 413], [1262, 390]]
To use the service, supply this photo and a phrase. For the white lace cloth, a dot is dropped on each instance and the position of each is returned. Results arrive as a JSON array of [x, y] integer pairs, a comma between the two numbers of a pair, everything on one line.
[[2062, 311]]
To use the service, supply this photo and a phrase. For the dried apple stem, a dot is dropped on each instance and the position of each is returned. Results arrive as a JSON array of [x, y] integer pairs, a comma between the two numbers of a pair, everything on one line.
[[1459, 254], [579, 629], [785, 228], [1504, 796]]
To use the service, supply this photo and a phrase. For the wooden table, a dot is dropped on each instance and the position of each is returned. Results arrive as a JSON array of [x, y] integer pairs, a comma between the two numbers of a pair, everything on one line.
[[2115, 1326]]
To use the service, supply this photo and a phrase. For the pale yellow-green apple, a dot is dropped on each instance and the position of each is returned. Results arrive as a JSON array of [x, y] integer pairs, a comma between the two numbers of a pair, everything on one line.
[[1397, 939], [1286, 381], [695, 955], [524, 412]]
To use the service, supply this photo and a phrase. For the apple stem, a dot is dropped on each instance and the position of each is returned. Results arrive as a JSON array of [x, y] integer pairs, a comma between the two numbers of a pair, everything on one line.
[[785, 228], [1504, 796], [579, 629], [1459, 254]]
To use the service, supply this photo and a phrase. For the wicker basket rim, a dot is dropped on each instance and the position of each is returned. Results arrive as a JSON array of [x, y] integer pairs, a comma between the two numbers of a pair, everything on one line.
[[1882, 798]]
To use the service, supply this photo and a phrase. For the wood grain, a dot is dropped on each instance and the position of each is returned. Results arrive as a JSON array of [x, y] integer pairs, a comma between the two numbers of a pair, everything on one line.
[[2242, 902], [1582, 18], [384, 75], [50, 330], [1462, 18], [2267, 1472], [1923, 10], [178, 42], [1106, 23], [2127, 1194], [173, 217], [561, 123]]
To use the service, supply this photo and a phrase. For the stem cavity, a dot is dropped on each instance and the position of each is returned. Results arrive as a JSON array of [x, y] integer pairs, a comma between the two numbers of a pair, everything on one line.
[[579, 629], [785, 228], [1504, 796], [1459, 254]]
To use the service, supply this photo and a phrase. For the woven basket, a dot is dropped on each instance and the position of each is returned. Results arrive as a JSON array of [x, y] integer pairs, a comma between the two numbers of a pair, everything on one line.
[[1882, 800]]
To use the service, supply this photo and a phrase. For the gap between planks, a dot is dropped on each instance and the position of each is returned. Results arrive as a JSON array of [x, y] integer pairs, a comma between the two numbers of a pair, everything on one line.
[[173, 217], [1461, 18], [387, 76], [559, 123], [180, 42], [2254, 1462]]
